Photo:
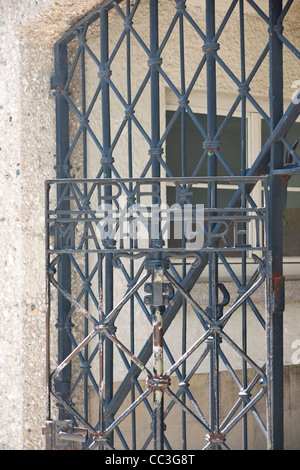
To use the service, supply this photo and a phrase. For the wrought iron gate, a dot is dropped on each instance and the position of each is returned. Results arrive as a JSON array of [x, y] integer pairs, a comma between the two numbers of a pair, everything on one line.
[[133, 334]]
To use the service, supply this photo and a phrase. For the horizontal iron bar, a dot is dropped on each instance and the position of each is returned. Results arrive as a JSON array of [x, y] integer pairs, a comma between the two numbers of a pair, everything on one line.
[[168, 251], [234, 217], [290, 171], [184, 180]]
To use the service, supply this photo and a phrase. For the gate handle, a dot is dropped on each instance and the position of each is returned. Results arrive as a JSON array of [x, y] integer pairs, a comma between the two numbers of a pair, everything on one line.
[[226, 295]]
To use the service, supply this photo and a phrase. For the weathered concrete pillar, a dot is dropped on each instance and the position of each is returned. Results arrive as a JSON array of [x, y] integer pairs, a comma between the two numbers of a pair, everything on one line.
[[28, 31]]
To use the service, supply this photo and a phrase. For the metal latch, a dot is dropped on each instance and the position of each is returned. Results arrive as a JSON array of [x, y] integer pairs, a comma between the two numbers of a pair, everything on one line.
[[61, 435], [160, 293]]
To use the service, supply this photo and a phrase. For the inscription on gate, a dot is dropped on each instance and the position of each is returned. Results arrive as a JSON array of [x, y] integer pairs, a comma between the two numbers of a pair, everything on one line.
[[125, 220]]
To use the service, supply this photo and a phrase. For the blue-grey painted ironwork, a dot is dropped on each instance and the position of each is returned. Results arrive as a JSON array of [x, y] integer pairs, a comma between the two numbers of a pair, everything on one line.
[[83, 265]]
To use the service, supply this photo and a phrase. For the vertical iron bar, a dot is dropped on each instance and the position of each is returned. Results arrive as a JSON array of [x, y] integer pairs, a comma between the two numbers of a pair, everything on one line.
[[155, 101], [276, 232], [158, 398], [130, 175], [63, 382], [86, 263], [243, 173], [212, 202], [154, 60], [106, 143], [183, 173], [48, 307], [101, 383]]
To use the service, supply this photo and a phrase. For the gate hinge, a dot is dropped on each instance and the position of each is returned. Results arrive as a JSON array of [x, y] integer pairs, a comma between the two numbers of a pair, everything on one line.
[[61, 435]]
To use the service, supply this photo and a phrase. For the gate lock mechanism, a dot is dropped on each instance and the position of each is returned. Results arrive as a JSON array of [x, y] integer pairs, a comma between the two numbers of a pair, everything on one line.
[[160, 293], [61, 435]]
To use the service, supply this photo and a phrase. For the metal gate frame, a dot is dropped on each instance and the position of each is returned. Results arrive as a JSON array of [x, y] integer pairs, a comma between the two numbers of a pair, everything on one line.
[[166, 293]]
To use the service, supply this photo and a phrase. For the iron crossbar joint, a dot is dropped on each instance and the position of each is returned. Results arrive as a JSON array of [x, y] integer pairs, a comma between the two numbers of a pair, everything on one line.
[[158, 383]]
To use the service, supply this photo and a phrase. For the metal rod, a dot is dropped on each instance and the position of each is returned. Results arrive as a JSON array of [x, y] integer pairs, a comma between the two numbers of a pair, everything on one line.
[[212, 203], [155, 151], [244, 237], [183, 173], [85, 163], [106, 143], [276, 230], [64, 268], [158, 395], [48, 311]]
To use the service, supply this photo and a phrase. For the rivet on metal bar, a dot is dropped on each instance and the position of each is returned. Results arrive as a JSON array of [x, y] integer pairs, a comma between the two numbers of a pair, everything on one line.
[[86, 203], [180, 5], [57, 81], [215, 438], [243, 89], [100, 437], [85, 368], [86, 284], [104, 73], [211, 145], [154, 61], [215, 328], [183, 101], [129, 111], [64, 326], [127, 23], [84, 121], [154, 152], [278, 28], [158, 383], [244, 395], [209, 48], [160, 293], [81, 40], [263, 383], [108, 159], [63, 166], [102, 327], [183, 385], [152, 426]]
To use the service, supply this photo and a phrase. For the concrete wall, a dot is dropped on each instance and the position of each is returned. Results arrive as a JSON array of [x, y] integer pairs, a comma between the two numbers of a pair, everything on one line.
[[28, 31]]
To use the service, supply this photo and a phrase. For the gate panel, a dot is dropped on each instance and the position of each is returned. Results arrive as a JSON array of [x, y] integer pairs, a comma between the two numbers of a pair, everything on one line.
[[136, 330]]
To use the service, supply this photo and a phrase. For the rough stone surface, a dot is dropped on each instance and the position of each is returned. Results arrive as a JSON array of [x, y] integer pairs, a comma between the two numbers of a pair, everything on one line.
[[28, 31]]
